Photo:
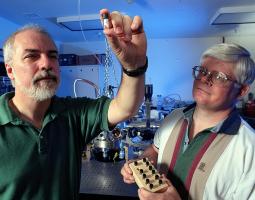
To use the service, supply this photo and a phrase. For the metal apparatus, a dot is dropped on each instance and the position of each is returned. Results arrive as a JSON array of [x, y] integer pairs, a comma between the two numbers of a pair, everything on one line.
[[148, 95], [107, 145], [140, 131], [139, 137]]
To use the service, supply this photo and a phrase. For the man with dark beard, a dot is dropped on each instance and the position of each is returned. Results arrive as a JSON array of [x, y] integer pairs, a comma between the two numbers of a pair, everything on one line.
[[41, 135]]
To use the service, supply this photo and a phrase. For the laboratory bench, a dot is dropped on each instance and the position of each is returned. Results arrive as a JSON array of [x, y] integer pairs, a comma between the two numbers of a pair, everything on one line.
[[102, 180]]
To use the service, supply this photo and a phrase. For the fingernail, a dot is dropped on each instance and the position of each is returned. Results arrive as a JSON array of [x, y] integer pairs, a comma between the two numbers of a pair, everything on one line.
[[134, 26]]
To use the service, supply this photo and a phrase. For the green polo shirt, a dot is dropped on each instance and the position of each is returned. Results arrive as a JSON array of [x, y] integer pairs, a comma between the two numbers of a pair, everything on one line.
[[45, 163], [189, 149]]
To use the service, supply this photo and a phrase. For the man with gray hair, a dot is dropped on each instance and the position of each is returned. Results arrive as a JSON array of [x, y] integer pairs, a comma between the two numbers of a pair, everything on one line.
[[42, 136], [207, 150]]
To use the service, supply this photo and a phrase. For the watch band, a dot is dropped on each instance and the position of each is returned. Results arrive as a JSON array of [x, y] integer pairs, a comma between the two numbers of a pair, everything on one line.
[[136, 72]]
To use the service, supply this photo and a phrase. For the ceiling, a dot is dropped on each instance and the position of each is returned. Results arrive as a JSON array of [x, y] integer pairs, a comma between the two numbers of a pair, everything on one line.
[[162, 18]]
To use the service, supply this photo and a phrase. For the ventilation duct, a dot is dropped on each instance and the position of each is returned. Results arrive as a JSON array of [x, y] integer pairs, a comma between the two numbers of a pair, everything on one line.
[[234, 15]]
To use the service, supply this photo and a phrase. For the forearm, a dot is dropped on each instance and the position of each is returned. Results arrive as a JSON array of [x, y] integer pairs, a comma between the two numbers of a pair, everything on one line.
[[128, 41], [128, 99]]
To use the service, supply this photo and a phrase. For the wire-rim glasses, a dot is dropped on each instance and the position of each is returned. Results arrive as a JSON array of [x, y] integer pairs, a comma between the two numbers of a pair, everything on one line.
[[213, 77]]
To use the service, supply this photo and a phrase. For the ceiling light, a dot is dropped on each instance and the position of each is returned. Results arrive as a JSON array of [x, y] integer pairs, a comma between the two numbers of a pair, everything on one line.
[[81, 23], [234, 15]]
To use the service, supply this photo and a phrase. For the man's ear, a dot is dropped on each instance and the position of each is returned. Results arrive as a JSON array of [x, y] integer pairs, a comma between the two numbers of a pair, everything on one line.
[[9, 71], [243, 91]]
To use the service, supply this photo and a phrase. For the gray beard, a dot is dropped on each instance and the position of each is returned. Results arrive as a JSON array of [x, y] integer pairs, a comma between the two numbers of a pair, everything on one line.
[[40, 93]]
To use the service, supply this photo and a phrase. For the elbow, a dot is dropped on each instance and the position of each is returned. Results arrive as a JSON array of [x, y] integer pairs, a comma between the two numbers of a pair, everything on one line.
[[131, 113]]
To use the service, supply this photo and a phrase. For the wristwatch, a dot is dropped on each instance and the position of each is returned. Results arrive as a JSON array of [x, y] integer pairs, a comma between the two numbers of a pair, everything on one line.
[[136, 72]]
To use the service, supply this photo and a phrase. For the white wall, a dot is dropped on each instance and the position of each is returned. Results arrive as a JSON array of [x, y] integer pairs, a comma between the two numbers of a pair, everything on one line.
[[69, 75], [171, 62], [91, 48], [7, 27], [6, 30]]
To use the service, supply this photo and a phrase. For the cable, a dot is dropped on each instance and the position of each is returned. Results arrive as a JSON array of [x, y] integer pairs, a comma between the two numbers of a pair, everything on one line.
[[79, 15], [81, 27], [174, 94], [97, 92]]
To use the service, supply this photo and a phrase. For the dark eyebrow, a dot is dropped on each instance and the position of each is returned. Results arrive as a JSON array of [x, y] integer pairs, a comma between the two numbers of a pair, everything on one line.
[[53, 51]]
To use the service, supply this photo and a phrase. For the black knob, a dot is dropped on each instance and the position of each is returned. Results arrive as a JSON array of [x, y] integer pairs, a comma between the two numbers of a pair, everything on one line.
[[156, 176], [141, 171], [135, 163], [160, 181], [144, 159], [151, 186], [150, 167], [147, 181], [153, 171], [147, 163]]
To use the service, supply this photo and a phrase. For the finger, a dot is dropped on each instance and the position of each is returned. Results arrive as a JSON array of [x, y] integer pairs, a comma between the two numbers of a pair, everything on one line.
[[126, 171], [144, 194], [140, 194], [164, 179], [127, 21], [130, 180], [127, 174], [127, 168], [115, 30], [117, 23], [137, 25]]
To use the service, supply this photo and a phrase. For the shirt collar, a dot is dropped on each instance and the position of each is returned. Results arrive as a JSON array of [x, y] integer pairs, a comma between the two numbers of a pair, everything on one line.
[[229, 126], [9, 115]]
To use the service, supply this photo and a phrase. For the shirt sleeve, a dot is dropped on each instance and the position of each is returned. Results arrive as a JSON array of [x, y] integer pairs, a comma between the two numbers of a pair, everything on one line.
[[168, 123], [156, 140]]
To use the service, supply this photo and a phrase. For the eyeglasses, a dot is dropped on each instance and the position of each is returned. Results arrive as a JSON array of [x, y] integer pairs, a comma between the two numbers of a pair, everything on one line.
[[213, 77]]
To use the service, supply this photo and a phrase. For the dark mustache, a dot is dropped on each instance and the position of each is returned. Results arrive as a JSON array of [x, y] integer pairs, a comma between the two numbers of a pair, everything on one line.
[[45, 74]]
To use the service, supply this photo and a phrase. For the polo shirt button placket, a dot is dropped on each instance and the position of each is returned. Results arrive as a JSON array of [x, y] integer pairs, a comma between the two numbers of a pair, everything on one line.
[[42, 145]]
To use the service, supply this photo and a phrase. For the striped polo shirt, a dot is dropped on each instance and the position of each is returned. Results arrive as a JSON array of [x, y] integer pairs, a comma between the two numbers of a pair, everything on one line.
[[187, 152]]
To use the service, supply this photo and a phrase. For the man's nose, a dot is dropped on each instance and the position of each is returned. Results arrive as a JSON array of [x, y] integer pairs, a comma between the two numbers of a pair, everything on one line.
[[45, 63], [207, 79]]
